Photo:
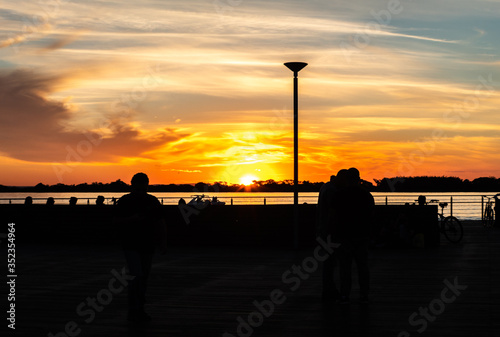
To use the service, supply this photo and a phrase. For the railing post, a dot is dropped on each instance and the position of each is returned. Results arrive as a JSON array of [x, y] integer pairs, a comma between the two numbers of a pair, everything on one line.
[[264, 201], [451, 206], [231, 201], [482, 206], [386, 200]]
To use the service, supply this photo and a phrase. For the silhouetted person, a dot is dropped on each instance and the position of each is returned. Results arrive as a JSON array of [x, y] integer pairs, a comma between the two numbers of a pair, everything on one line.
[[422, 200], [142, 227], [73, 201], [352, 208], [100, 200], [330, 291], [28, 200], [50, 201]]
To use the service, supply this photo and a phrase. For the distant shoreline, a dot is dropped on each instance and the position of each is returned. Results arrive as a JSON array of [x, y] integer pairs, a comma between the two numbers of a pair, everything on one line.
[[396, 184]]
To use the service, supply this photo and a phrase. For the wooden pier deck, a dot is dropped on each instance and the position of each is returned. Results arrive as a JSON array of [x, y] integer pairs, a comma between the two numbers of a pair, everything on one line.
[[203, 292]]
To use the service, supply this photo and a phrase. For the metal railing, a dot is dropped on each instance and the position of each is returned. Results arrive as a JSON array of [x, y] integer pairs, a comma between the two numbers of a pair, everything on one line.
[[474, 202]]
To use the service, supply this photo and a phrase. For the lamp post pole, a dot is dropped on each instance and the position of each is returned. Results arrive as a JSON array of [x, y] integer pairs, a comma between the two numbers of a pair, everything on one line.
[[295, 67]]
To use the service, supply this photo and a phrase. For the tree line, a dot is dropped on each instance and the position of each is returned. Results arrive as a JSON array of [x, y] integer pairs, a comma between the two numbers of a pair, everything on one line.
[[395, 184], [437, 184]]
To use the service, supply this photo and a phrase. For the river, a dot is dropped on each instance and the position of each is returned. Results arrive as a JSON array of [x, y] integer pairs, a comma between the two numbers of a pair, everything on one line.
[[466, 205]]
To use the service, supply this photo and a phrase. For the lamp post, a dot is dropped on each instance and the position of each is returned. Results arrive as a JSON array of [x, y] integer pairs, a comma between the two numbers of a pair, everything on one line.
[[295, 67]]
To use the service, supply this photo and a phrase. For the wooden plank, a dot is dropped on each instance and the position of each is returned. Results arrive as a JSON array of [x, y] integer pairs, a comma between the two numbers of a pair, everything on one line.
[[202, 291]]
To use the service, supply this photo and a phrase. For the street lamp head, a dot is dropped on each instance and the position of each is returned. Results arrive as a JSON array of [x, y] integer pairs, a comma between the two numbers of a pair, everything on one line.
[[295, 66]]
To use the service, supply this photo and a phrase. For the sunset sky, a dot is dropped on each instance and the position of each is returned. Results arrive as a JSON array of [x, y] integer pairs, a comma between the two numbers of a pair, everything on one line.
[[196, 90]]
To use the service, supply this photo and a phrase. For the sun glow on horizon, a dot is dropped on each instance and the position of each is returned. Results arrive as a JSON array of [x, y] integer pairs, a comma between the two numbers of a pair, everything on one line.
[[248, 179]]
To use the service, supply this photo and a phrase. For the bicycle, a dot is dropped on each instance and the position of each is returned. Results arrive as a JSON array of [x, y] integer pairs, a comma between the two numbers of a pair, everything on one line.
[[450, 226], [488, 216]]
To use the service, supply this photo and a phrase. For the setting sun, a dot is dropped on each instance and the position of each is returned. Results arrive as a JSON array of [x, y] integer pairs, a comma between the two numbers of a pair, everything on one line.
[[248, 179]]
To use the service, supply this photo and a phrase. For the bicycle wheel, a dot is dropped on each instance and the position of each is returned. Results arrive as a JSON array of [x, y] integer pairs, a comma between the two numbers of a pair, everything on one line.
[[488, 218], [452, 229]]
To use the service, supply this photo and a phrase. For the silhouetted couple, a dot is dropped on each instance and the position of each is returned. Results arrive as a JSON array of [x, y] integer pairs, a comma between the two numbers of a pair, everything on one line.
[[141, 227], [344, 213]]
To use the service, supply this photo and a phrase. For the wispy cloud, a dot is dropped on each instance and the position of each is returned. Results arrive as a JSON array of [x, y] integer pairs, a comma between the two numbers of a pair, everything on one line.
[[36, 128], [19, 37], [62, 41], [181, 170]]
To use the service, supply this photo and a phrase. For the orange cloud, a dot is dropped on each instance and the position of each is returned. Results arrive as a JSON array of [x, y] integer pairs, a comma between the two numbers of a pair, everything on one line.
[[35, 128]]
